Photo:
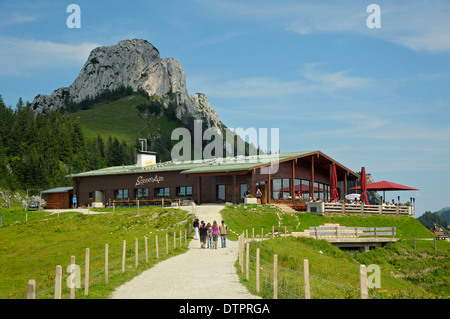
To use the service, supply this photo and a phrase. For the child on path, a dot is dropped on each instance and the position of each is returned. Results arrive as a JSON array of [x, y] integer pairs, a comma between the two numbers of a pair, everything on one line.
[[209, 236]]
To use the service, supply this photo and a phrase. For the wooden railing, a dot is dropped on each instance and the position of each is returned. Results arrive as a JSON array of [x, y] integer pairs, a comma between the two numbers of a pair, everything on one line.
[[150, 202], [368, 209], [353, 232]]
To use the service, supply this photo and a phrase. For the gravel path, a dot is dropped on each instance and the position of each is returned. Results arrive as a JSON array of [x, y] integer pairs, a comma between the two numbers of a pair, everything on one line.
[[196, 274]]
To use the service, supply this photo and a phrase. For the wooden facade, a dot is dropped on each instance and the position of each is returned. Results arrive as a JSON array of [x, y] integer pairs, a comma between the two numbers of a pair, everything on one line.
[[58, 198], [310, 173]]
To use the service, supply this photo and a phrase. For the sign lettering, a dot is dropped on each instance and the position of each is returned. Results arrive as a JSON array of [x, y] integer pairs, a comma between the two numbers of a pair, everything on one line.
[[141, 180]]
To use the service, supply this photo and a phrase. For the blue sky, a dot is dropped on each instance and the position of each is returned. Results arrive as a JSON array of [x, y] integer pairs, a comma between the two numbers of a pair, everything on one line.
[[377, 98]]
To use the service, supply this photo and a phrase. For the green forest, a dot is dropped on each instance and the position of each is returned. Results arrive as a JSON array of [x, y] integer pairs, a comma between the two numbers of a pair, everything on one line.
[[39, 151]]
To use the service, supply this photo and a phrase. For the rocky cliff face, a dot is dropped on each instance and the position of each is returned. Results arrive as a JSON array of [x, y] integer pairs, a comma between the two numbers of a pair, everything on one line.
[[135, 63]]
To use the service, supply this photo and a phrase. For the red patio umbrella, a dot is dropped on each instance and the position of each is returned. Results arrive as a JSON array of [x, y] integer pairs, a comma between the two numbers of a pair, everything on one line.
[[386, 186], [364, 186], [334, 195]]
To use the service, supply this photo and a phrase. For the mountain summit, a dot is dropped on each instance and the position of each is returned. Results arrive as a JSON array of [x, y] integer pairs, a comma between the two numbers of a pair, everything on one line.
[[136, 64]]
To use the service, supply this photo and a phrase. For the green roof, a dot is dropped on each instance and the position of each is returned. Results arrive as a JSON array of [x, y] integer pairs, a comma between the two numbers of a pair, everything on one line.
[[228, 164], [58, 190]]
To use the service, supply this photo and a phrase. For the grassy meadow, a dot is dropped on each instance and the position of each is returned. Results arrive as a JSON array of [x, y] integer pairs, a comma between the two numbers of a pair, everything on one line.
[[406, 272], [33, 243], [31, 249]]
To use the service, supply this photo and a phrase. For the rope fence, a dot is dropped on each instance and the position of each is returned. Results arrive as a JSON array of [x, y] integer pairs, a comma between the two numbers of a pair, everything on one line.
[[129, 255], [274, 281]]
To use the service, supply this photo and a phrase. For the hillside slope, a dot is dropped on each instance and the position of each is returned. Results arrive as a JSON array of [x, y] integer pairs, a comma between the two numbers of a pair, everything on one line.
[[122, 119]]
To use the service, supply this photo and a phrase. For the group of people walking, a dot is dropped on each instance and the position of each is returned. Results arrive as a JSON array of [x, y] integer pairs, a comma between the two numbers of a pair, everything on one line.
[[209, 234]]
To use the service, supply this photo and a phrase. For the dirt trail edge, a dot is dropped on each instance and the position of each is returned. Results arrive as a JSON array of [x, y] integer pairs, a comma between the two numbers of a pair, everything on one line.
[[196, 274]]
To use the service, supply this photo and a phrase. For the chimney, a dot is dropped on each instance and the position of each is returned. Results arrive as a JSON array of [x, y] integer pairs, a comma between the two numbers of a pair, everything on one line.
[[145, 158]]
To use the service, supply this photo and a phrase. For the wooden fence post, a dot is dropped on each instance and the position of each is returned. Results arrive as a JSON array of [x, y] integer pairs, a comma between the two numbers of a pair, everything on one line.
[[257, 270], [275, 276], [146, 249], [174, 240], [253, 233], [306, 278], [124, 251], [247, 262], [181, 239], [136, 254], [72, 277], [262, 234], [106, 263], [86, 272], [156, 244], [58, 282], [31, 289], [273, 232], [363, 282], [167, 243], [240, 252]]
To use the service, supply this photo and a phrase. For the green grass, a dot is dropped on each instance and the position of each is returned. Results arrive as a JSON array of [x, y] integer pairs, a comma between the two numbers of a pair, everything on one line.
[[32, 250], [245, 217], [122, 120], [113, 119], [242, 217], [406, 272]]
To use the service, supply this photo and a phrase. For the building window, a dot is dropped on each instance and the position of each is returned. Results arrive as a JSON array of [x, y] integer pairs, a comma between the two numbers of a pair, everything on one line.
[[316, 191], [305, 189], [220, 192], [298, 188], [122, 194], [141, 193], [326, 194], [183, 191], [281, 188], [91, 195], [162, 192]]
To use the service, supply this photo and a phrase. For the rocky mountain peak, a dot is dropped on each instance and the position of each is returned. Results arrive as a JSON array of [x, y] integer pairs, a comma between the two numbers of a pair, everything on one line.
[[132, 63]]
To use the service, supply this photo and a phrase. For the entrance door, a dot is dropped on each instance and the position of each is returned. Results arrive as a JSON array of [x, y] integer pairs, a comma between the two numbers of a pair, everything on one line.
[[99, 195], [229, 193]]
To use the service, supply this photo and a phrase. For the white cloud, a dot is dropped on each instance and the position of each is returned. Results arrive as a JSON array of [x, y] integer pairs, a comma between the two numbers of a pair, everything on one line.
[[14, 18], [311, 79], [332, 80], [418, 25], [23, 56]]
